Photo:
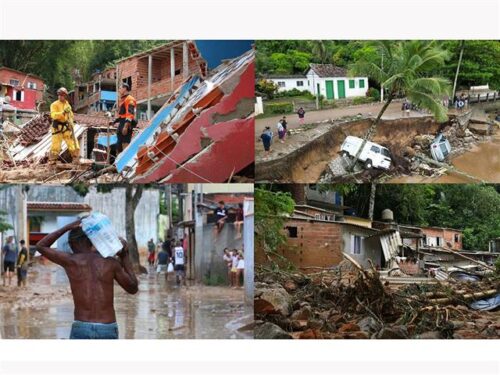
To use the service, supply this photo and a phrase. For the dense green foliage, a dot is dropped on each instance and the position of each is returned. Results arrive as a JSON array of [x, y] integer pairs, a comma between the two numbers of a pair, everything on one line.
[[479, 66], [278, 108], [271, 211], [4, 226], [63, 62]]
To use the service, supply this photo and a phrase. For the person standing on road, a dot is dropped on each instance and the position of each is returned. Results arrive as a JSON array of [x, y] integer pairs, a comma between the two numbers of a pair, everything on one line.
[[301, 113], [91, 277], [9, 254], [267, 138], [151, 251], [234, 269], [22, 265], [281, 132], [284, 124], [180, 264], [162, 261], [405, 108], [167, 246], [240, 270]]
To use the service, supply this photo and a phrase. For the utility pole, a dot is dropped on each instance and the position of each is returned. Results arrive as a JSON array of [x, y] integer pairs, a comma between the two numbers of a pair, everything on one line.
[[150, 79], [382, 84], [462, 45]]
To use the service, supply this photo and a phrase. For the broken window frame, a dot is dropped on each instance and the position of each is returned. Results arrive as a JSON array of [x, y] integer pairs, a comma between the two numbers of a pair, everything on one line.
[[293, 232]]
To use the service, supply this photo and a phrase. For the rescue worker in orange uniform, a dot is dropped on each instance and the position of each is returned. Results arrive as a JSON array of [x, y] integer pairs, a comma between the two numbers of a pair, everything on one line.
[[63, 128], [126, 118]]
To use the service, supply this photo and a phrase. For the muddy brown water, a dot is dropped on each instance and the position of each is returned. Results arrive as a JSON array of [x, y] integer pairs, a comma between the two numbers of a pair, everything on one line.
[[160, 310], [481, 161]]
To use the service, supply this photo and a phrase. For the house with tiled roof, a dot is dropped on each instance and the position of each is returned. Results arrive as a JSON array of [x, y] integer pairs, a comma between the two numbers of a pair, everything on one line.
[[23, 90], [330, 81]]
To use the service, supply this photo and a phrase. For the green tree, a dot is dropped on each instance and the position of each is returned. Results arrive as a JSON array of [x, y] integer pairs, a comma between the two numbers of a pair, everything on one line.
[[267, 88], [271, 212], [4, 226], [406, 72]]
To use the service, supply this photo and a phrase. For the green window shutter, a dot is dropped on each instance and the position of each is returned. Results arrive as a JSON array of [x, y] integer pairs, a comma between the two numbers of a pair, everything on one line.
[[352, 83], [361, 83]]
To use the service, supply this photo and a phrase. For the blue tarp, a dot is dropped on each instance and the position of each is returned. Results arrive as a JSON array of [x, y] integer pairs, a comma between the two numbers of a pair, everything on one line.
[[103, 140], [214, 51], [133, 148], [487, 304], [108, 95]]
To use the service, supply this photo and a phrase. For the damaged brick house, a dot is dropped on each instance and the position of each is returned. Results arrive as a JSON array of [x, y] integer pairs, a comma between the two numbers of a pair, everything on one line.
[[96, 95], [155, 74], [425, 237], [152, 75], [314, 244]]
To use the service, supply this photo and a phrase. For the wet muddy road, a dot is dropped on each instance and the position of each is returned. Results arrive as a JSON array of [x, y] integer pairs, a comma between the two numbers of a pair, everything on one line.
[[482, 162], [160, 310]]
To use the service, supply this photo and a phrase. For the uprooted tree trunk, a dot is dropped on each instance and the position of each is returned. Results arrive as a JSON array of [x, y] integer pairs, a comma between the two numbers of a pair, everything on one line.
[[371, 207], [132, 199], [371, 132]]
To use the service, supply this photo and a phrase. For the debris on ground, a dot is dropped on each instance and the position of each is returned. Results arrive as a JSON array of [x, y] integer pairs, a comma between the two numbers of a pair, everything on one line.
[[351, 303]]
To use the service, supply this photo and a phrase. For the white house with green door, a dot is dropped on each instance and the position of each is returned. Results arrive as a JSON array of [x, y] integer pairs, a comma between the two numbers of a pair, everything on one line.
[[329, 80], [333, 82]]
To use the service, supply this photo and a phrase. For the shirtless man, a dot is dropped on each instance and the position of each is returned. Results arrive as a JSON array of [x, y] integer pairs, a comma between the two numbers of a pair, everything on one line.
[[92, 279]]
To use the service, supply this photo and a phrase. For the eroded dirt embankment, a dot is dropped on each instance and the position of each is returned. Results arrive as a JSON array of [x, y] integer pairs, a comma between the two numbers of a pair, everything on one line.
[[307, 163]]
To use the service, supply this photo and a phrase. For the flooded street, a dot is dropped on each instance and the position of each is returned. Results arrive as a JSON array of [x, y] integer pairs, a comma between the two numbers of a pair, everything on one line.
[[481, 161], [160, 310]]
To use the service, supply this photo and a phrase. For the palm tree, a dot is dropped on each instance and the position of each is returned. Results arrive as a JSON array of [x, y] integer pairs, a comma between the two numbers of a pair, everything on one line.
[[462, 46], [320, 50], [407, 71]]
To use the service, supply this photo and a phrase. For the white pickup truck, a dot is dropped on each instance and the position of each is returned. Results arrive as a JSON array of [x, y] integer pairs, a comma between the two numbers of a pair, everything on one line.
[[373, 155]]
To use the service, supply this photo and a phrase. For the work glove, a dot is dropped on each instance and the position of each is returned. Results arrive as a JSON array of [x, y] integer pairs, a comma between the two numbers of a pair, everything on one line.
[[67, 110]]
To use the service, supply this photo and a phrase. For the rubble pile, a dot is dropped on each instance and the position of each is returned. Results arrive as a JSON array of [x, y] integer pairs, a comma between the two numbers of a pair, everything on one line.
[[357, 304]]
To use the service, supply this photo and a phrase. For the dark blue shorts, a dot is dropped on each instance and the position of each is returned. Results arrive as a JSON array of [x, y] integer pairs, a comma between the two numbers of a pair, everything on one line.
[[93, 331]]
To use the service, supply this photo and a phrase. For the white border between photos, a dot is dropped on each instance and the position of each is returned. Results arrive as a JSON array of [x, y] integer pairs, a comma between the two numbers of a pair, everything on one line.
[[250, 19], [408, 357]]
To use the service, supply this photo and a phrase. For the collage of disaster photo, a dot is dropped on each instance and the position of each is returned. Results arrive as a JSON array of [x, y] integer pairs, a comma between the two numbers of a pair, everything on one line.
[[250, 189]]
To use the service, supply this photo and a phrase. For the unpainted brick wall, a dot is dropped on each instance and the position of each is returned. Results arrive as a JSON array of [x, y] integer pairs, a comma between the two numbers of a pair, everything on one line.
[[137, 69], [318, 244]]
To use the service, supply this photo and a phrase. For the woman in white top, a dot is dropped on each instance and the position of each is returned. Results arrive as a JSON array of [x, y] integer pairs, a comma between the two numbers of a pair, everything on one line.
[[240, 269]]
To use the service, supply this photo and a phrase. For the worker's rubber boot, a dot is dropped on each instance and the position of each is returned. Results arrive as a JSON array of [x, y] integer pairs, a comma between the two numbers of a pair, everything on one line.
[[53, 159]]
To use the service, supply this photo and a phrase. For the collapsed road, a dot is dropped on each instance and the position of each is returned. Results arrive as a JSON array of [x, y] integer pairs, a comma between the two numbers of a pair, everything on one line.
[[311, 152]]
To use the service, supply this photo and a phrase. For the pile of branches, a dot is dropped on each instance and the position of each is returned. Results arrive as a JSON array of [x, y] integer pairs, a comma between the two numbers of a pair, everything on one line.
[[358, 304]]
